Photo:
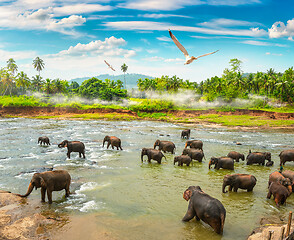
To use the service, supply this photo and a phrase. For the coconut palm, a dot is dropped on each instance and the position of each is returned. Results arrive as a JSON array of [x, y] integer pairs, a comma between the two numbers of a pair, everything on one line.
[[38, 64], [124, 68], [11, 66], [7, 80], [37, 82], [22, 81]]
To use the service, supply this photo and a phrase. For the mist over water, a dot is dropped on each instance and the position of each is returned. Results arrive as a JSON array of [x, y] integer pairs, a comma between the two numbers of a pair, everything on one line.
[[135, 200]]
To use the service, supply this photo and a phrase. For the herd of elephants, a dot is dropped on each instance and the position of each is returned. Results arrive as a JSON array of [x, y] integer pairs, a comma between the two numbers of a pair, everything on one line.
[[201, 205]]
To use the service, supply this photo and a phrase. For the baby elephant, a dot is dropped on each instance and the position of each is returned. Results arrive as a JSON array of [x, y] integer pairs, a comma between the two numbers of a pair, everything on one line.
[[186, 133], [44, 140], [193, 153], [235, 181], [183, 159], [151, 153], [49, 181], [114, 141], [236, 156], [73, 146]]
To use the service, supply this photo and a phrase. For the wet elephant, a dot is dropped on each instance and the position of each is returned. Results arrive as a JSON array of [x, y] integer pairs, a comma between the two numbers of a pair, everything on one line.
[[114, 141], [279, 191], [236, 156], [289, 174], [73, 146], [186, 133], [258, 157], [204, 207], [49, 181], [235, 181], [44, 140], [286, 156], [165, 146], [278, 177], [153, 154], [193, 153], [198, 144], [183, 159], [222, 162]]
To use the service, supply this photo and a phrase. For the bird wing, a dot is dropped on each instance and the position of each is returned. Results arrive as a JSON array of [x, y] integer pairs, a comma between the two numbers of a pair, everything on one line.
[[180, 46], [109, 65], [207, 54]]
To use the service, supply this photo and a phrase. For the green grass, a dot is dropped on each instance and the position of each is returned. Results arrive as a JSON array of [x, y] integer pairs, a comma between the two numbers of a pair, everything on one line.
[[108, 116], [21, 101]]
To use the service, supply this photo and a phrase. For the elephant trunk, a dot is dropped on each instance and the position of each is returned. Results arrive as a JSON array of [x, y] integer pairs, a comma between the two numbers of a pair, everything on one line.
[[103, 143], [209, 164], [142, 157], [30, 189], [224, 186]]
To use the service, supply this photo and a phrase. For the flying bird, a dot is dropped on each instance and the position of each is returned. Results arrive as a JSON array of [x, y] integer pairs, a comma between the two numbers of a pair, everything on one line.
[[180, 46], [109, 66]]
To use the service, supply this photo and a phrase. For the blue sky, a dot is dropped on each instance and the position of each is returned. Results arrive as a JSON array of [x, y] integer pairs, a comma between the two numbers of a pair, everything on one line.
[[73, 37]]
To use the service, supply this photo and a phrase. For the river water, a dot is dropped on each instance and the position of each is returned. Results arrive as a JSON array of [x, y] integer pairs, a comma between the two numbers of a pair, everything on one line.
[[134, 200]]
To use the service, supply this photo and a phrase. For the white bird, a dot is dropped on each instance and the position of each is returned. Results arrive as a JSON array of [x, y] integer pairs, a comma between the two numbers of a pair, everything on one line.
[[180, 46], [109, 66]]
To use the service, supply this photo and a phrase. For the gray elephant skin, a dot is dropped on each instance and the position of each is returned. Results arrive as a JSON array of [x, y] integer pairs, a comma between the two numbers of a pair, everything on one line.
[[204, 207], [258, 158], [182, 159], [152, 154], [44, 140], [286, 156], [279, 191], [235, 181], [222, 162], [186, 133], [113, 141], [165, 146], [49, 181], [198, 144], [193, 153], [236, 156], [289, 174], [278, 177], [73, 146]]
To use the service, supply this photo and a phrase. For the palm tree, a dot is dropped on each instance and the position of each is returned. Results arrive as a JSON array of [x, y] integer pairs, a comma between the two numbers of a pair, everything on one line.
[[37, 82], [6, 79], [38, 64], [48, 86], [11, 66], [124, 68], [22, 80]]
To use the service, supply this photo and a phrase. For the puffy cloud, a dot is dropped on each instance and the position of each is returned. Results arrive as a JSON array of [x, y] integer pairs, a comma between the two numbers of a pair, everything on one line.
[[279, 29], [80, 8], [109, 47]]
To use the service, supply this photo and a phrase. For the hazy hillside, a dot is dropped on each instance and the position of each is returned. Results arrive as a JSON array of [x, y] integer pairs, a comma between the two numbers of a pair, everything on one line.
[[131, 78]]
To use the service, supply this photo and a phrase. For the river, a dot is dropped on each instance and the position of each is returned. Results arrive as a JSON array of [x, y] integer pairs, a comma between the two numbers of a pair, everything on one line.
[[134, 200]]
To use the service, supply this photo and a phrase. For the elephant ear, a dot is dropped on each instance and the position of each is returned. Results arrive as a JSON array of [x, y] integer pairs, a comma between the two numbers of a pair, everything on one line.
[[42, 182]]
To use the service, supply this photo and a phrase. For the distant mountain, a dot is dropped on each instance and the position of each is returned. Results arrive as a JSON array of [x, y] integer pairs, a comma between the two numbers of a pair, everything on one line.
[[131, 78]]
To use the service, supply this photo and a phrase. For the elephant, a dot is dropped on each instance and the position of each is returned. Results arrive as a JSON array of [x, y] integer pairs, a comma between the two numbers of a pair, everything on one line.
[[186, 133], [198, 144], [222, 162], [151, 153], [73, 146], [278, 177], [204, 207], [236, 156], [269, 163], [44, 140], [279, 191], [165, 146], [286, 156], [49, 181], [114, 141], [193, 153], [183, 159], [235, 181], [289, 174], [258, 157]]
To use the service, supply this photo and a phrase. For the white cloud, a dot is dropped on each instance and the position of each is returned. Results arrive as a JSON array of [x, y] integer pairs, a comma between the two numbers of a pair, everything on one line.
[[224, 22], [274, 54], [260, 43], [156, 16], [164, 39], [80, 8], [169, 5], [279, 29], [160, 26], [109, 47], [16, 55]]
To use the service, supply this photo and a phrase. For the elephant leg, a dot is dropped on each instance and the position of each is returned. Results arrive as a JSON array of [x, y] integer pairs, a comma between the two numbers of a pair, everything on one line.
[[149, 159], [83, 154], [230, 188], [43, 192], [108, 144], [235, 189], [190, 213], [188, 164], [68, 154], [269, 194], [49, 195], [67, 191], [80, 155], [117, 148], [120, 147]]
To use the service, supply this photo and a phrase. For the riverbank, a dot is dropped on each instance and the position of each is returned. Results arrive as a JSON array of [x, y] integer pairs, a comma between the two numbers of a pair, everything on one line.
[[236, 118]]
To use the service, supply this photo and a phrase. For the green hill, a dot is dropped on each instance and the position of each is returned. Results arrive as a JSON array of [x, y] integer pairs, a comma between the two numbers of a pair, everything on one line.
[[131, 78]]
